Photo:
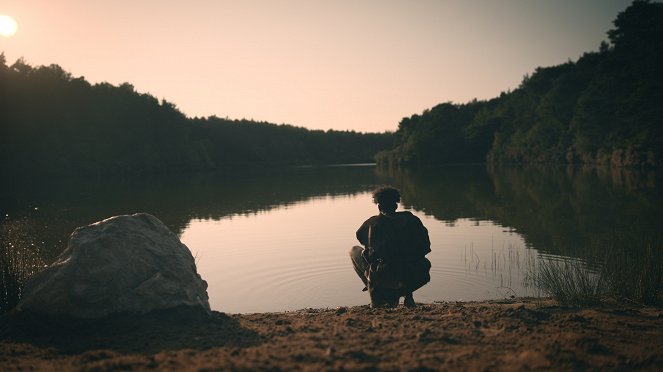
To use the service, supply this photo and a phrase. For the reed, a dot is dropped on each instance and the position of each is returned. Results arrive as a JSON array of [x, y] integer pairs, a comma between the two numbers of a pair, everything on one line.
[[19, 260], [635, 275], [570, 282], [622, 270]]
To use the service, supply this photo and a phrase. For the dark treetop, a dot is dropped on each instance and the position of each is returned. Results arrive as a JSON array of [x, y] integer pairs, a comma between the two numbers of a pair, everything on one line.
[[605, 108]]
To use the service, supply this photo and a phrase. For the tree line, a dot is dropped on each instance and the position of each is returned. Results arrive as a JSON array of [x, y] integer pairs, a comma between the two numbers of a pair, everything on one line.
[[604, 108], [54, 123]]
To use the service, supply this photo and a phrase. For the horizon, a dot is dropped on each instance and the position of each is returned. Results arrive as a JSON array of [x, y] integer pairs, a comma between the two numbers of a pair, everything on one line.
[[342, 65]]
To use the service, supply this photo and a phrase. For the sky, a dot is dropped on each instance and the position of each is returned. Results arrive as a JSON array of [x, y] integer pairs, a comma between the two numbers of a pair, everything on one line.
[[357, 65]]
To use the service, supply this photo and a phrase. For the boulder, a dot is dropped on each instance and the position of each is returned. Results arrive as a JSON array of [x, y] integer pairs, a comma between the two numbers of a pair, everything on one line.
[[121, 264]]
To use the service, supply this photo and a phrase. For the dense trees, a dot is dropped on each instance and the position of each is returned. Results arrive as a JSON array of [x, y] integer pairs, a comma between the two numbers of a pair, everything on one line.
[[53, 123], [607, 107]]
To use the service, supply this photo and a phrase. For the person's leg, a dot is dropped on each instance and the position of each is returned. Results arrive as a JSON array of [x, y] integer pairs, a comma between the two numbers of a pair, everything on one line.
[[359, 263], [377, 297], [409, 300], [383, 297]]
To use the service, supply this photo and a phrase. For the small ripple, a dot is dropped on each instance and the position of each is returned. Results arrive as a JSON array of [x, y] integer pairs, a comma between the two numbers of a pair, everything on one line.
[[303, 280]]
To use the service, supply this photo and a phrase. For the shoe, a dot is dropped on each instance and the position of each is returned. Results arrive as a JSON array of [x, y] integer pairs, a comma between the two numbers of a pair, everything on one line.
[[409, 301], [383, 305]]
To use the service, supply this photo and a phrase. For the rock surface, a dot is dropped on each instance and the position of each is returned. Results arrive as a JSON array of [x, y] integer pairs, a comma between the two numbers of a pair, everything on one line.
[[121, 264]]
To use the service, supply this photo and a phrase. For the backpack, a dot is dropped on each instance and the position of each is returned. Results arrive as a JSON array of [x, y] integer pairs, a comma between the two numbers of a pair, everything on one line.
[[393, 270]]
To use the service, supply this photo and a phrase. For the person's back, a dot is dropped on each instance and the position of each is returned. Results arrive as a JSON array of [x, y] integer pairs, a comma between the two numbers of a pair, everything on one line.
[[393, 264], [397, 236]]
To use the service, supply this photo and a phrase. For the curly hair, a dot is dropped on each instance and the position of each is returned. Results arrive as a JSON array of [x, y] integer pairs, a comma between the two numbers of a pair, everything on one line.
[[386, 196]]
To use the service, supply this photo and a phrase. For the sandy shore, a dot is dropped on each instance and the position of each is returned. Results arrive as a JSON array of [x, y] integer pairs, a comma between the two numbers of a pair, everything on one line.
[[494, 335]]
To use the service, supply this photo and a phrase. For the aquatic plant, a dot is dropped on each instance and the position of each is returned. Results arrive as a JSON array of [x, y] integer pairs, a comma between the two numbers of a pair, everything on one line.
[[570, 282], [626, 269], [635, 275]]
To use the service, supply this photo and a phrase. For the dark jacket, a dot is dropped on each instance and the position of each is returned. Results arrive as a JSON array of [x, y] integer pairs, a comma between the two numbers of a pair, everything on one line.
[[396, 246], [397, 237]]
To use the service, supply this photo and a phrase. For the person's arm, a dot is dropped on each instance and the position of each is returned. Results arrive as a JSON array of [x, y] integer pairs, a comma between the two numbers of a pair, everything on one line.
[[418, 234], [362, 233], [381, 234], [424, 239]]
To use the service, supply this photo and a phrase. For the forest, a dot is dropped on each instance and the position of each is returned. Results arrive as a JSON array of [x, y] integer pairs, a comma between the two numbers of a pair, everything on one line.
[[52, 123], [605, 108]]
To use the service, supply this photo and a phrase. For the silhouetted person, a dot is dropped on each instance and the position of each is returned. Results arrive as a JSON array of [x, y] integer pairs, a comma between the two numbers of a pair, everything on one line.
[[393, 263]]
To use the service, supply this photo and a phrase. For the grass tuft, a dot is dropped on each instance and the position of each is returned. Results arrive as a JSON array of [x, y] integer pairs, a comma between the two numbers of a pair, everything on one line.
[[636, 276], [19, 260], [570, 282], [628, 271]]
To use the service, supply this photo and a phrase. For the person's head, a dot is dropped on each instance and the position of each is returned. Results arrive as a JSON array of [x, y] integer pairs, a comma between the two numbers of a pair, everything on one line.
[[387, 199]]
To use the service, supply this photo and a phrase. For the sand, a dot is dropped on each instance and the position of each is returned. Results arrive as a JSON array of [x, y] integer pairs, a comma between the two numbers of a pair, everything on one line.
[[494, 335]]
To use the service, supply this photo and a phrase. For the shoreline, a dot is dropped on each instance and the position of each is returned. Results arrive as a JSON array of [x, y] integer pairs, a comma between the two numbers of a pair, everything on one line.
[[499, 334]]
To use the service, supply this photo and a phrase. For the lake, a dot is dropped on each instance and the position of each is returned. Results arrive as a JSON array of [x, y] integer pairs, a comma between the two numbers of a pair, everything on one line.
[[278, 239]]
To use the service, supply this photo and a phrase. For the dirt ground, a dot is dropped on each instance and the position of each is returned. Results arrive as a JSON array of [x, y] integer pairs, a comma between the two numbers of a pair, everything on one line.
[[492, 335]]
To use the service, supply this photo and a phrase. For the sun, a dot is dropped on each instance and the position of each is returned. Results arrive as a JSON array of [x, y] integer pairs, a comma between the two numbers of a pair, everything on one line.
[[8, 26]]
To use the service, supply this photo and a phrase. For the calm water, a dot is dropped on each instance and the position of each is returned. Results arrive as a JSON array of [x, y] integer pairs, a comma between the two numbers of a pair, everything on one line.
[[278, 240]]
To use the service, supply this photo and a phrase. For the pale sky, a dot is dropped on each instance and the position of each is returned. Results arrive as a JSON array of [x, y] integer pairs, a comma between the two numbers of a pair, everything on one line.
[[358, 65]]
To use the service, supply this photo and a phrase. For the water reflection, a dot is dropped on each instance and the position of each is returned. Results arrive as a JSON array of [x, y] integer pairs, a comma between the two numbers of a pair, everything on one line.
[[490, 222], [61, 205], [558, 210], [295, 257]]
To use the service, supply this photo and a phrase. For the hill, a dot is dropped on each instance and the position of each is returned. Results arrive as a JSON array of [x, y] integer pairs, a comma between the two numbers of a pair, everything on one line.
[[604, 108], [53, 123]]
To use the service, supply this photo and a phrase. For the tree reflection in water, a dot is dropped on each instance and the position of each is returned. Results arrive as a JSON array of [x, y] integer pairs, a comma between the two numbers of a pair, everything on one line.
[[586, 213]]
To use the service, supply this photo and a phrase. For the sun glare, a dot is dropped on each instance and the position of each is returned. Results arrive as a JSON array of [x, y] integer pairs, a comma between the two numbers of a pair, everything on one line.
[[7, 25]]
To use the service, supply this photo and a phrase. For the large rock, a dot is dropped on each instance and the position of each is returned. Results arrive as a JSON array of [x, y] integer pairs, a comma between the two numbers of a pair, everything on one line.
[[122, 264]]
